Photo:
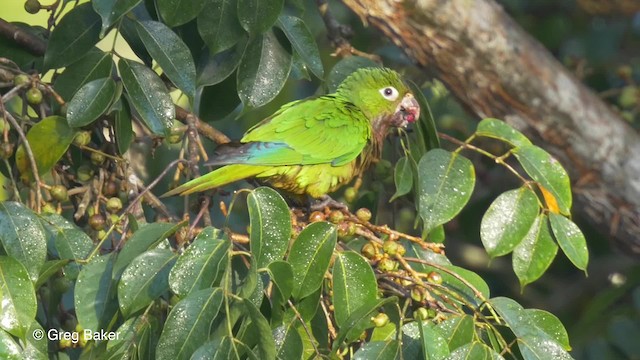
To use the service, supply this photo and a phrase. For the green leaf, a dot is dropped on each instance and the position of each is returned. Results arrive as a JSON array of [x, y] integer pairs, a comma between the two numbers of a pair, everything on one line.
[[281, 273], [178, 12], [310, 256], [498, 129], [378, 350], [95, 293], [147, 237], [18, 297], [354, 284], [457, 330], [257, 16], [218, 25], [49, 139], [202, 264], [130, 337], [476, 351], [90, 102], [50, 268], [344, 68], [148, 95], [534, 343], [446, 184], [508, 220], [546, 170], [403, 177], [426, 125], [111, 11], [434, 345], [266, 343], [171, 53], [123, 127], [303, 42], [535, 253], [129, 32], [76, 34], [263, 70], [95, 65], [270, 225], [571, 240], [23, 237], [213, 69], [71, 243], [217, 349], [187, 326], [9, 348], [288, 341], [551, 325], [35, 348], [144, 280], [359, 321]]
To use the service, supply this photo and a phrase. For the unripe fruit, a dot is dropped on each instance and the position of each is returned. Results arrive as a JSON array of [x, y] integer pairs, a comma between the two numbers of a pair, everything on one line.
[[64, 343], [350, 194], [48, 208], [401, 250], [316, 216], [34, 96], [6, 150], [32, 6], [174, 139], [363, 214], [434, 278], [629, 96], [421, 314], [390, 247], [97, 158], [336, 216], [417, 294], [114, 205], [21, 79], [110, 188], [383, 168], [380, 320], [83, 138], [85, 173], [59, 193], [386, 265], [97, 221], [369, 250]]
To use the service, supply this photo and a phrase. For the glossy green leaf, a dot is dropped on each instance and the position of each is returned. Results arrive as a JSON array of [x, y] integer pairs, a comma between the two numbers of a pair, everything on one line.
[[111, 11], [344, 68], [217, 349], [546, 170], [77, 32], [35, 349], [303, 42], [266, 344], [476, 351], [49, 139], [148, 95], [23, 237], [378, 350], [457, 330], [178, 12], [95, 293], [144, 280], [535, 253], [426, 124], [359, 321], [257, 16], [434, 345], [90, 102], [571, 240], [551, 325], [213, 69], [500, 130], [18, 297], [263, 70], [288, 341], [50, 268], [171, 53], [130, 337], [9, 348], [147, 237], [281, 273], [218, 25], [446, 183], [95, 65], [123, 127], [310, 256], [71, 242], [354, 284], [508, 220], [270, 225], [129, 32], [202, 264], [403, 177], [534, 343], [187, 326]]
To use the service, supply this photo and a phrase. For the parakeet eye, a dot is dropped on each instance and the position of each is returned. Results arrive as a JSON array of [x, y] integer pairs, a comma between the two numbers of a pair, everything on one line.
[[390, 93]]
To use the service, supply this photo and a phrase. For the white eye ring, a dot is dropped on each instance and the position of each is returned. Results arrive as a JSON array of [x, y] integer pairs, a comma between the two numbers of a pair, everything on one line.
[[390, 93]]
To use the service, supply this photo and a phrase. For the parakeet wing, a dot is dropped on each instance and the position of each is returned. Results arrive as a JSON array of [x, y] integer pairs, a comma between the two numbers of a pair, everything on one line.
[[326, 129]]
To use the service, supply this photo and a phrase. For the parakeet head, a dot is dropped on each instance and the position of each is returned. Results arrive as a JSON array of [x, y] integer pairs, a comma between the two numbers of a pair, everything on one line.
[[382, 96]]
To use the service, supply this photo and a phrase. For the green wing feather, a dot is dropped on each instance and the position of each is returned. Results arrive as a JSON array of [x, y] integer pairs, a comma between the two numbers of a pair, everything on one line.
[[219, 177]]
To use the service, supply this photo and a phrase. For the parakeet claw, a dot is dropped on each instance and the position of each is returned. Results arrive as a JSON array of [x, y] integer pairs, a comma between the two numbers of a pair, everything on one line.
[[327, 201]]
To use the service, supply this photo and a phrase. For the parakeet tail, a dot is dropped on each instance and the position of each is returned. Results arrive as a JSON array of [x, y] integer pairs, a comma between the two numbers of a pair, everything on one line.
[[219, 177]]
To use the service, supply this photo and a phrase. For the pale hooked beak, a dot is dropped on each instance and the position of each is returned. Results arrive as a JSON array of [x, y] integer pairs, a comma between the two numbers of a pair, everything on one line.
[[408, 111]]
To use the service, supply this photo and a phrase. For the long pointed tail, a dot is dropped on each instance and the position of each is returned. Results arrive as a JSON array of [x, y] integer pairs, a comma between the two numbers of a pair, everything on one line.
[[219, 177]]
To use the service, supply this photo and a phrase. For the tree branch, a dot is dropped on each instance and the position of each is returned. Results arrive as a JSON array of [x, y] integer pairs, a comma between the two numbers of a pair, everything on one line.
[[30, 42], [497, 70]]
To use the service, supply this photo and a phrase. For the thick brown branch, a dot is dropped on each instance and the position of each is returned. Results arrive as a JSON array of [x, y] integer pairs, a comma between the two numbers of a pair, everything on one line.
[[497, 70], [30, 42], [205, 129]]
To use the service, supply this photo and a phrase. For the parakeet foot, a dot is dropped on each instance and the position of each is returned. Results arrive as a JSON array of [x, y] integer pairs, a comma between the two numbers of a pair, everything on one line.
[[327, 201]]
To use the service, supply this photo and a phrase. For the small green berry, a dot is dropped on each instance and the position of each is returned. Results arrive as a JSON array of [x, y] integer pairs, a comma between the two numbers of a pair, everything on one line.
[[434, 278], [369, 250], [316, 216], [59, 193], [6, 150], [114, 205], [363, 214], [97, 222], [48, 208], [83, 138], [380, 320], [21, 79], [336, 216], [421, 314], [32, 6], [350, 194], [34, 96], [390, 247], [97, 158], [386, 265], [84, 173]]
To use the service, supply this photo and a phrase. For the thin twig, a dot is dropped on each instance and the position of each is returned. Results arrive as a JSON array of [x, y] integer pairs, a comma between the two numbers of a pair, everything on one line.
[[205, 129]]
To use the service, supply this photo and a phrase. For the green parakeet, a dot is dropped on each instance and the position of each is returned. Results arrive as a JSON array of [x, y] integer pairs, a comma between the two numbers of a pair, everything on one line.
[[316, 145]]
